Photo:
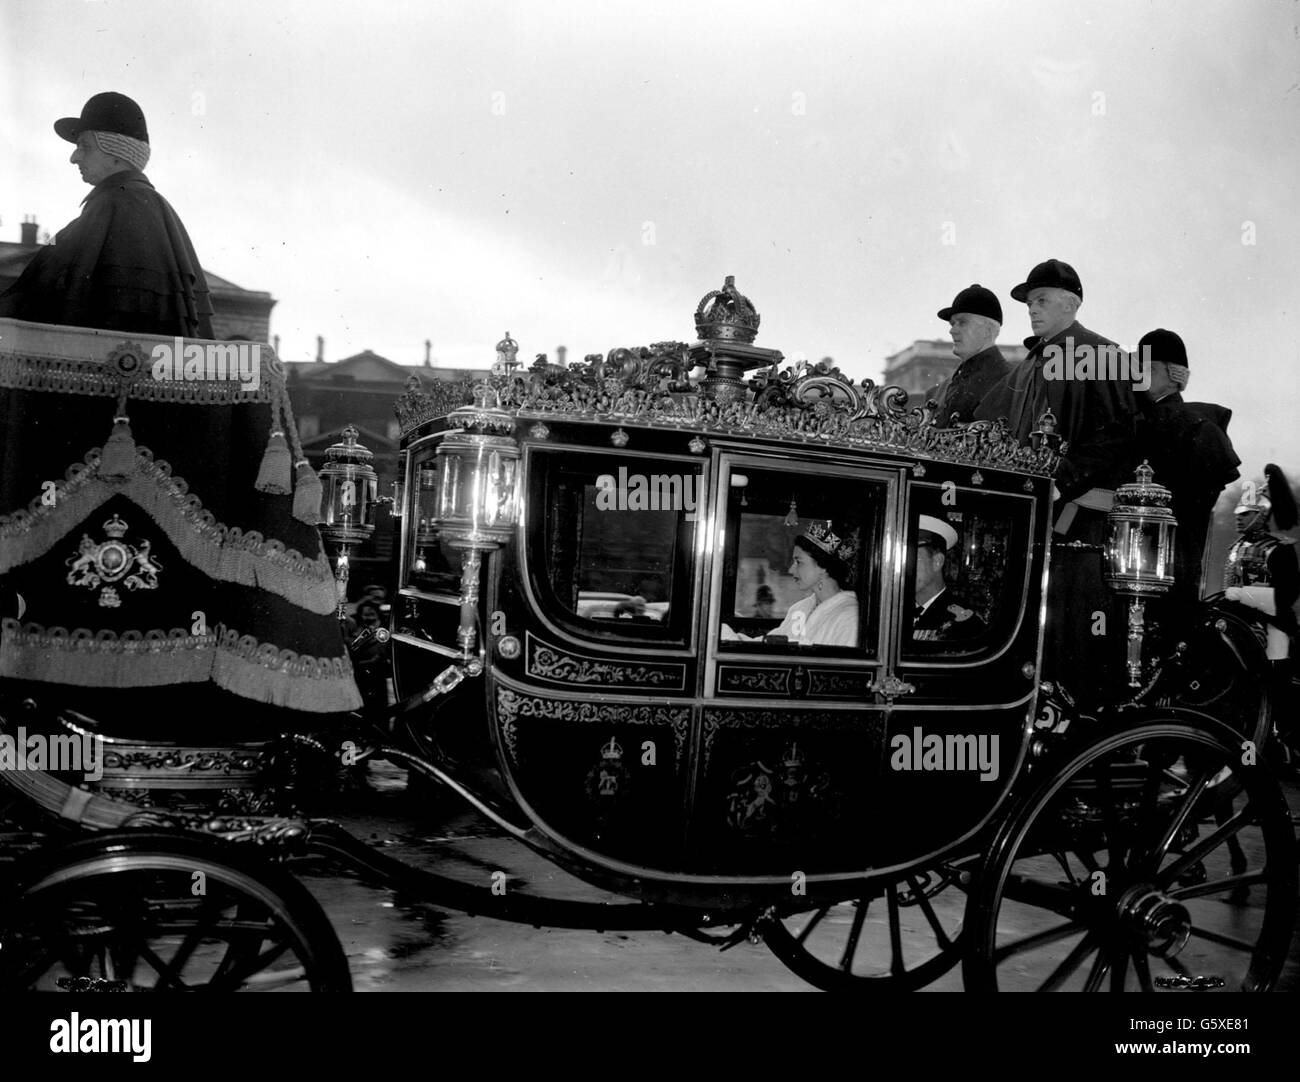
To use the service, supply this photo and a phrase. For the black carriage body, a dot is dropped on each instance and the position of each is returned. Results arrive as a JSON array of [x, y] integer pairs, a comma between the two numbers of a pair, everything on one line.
[[659, 758]]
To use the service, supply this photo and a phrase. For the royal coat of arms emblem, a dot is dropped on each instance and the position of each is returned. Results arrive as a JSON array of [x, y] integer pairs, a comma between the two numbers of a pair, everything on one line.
[[113, 562]]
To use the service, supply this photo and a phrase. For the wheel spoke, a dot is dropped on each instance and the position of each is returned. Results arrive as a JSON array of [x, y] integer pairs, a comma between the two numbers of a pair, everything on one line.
[[1223, 940], [817, 918], [209, 914], [851, 946], [1054, 897], [1097, 974], [1038, 939], [940, 936], [1119, 970], [1217, 886], [1109, 822], [896, 966], [1069, 964], [1234, 825], [1180, 817], [1142, 968]]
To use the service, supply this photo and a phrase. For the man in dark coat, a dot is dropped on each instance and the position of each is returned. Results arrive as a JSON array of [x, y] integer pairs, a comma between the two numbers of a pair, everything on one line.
[[126, 263], [1078, 375], [974, 318], [1191, 454], [186, 569]]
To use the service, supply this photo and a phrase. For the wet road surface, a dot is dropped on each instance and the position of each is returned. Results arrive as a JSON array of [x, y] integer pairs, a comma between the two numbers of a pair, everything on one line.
[[400, 943]]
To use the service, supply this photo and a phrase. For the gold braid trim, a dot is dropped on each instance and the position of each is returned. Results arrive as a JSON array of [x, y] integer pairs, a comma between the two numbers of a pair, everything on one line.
[[224, 553], [66, 375], [239, 663]]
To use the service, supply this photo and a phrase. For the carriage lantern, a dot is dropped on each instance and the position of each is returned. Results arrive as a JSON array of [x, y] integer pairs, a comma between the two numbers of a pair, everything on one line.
[[1140, 554], [349, 485], [477, 505]]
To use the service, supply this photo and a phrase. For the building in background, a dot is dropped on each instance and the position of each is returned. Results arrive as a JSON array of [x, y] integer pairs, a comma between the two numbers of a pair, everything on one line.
[[928, 362], [360, 390]]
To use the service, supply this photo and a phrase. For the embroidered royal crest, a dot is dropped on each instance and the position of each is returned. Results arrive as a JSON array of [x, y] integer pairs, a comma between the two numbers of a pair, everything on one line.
[[608, 780], [113, 562]]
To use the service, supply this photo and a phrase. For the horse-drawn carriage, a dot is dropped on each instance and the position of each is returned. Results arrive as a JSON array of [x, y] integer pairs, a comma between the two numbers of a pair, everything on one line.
[[592, 645]]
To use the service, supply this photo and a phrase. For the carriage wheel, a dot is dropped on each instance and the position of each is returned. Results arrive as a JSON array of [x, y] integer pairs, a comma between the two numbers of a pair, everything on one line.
[[155, 911], [1125, 870], [898, 940]]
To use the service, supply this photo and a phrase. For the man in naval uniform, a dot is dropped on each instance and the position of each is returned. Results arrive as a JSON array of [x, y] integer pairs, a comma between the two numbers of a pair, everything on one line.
[[937, 614]]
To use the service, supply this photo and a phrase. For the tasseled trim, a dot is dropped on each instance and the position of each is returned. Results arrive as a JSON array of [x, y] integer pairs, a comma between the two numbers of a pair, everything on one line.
[[307, 486], [224, 553], [33, 652], [238, 663], [117, 460], [306, 494], [318, 695], [273, 475]]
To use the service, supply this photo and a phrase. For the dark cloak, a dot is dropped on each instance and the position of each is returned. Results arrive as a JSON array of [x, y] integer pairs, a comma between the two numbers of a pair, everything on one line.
[[126, 264]]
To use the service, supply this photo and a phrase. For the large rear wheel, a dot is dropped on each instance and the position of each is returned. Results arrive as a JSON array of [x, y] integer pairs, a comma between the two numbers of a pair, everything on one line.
[[1155, 859]]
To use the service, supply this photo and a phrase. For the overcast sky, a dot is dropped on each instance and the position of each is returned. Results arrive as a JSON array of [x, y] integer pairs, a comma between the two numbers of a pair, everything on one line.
[[581, 173]]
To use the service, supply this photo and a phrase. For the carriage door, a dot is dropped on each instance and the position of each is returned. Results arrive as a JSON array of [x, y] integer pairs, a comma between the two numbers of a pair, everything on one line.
[[790, 731]]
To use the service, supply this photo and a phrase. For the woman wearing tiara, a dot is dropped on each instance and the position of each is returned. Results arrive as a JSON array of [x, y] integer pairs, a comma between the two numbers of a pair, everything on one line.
[[828, 616]]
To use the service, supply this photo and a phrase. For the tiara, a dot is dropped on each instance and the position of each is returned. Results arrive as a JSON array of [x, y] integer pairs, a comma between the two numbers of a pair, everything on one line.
[[844, 548]]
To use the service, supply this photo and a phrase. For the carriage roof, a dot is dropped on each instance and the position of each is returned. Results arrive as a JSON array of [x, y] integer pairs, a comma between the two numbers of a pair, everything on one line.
[[803, 404]]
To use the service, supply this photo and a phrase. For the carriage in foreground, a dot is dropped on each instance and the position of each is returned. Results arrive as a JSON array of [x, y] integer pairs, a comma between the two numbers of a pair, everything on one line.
[[585, 649]]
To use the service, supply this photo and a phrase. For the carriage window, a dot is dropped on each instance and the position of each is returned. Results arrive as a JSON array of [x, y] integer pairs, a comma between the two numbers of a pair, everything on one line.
[[801, 569], [615, 553], [964, 586], [431, 563]]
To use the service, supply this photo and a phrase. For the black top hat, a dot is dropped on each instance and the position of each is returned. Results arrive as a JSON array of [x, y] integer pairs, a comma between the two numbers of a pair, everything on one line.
[[105, 112], [977, 300], [1165, 346], [1052, 273]]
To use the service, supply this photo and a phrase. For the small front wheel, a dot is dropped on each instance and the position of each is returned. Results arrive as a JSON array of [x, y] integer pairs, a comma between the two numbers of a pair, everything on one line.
[[164, 912], [901, 939]]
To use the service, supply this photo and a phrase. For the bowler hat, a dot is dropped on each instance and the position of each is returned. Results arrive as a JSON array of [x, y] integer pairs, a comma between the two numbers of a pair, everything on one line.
[[1052, 273], [105, 112], [1165, 346], [976, 300]]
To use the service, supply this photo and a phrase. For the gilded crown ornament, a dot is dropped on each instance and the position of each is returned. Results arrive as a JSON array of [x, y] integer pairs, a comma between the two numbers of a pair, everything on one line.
[[507, 350], [729, 316]]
